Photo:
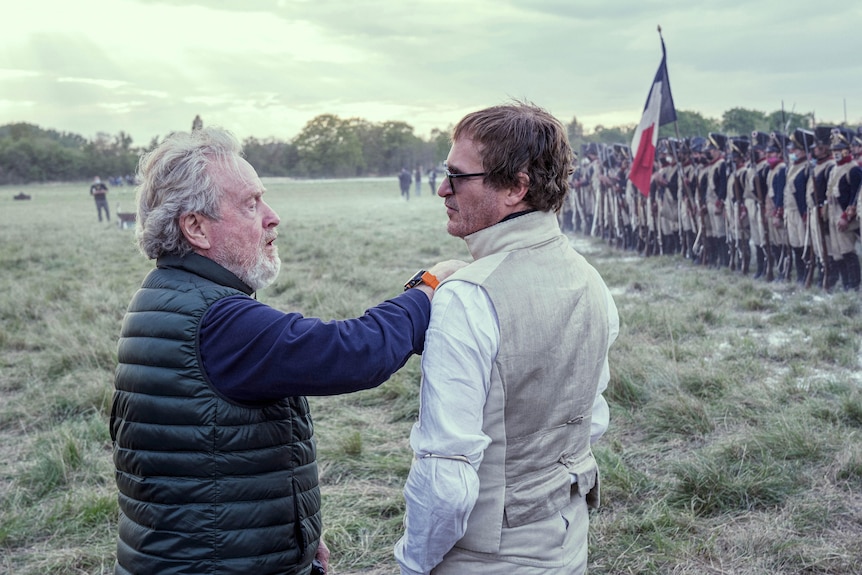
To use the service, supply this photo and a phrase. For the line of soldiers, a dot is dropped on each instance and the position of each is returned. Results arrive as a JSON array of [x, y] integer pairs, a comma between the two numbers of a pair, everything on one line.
[[789, 200]]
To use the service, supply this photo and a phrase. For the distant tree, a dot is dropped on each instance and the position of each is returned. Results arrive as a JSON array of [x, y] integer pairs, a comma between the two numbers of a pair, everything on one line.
[[787, 121], [440, 141], [369, 135], [742, 121], [328, 147], [270, 157], [399, 146], [575, 131], [612, 135], [690, 123]]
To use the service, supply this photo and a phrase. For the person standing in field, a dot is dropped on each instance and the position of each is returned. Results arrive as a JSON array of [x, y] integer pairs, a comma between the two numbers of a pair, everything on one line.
[[432, 180], [515, 363], [213, 441], [417, 178], [99, 191], [404, 181]]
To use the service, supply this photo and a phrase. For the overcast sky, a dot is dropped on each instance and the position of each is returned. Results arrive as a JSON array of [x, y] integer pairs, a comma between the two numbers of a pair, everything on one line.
[[264, 68]]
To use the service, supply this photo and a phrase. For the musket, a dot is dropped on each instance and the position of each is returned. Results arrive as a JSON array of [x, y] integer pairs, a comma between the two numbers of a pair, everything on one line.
[[764, 222], [579, 204], [737, 198], [821, 235], [728, 213], [614, 199], [784, 258], [597, 205], [808, 250]]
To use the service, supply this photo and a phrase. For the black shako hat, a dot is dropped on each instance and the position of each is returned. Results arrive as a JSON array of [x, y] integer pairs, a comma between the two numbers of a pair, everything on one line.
[[716, 141], [739, 146], [841, 138], [802, 139], [822, 135], [777, 142], [759, 140], [697, 144]]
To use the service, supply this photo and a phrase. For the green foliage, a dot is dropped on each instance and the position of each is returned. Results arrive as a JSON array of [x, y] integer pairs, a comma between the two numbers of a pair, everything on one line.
[[30, 154], [690, 123], [329, 146], [270, 157], [612, 135], [743, 121]]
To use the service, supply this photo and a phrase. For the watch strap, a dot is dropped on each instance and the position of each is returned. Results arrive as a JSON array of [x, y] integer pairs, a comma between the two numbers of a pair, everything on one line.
[[422, 277]]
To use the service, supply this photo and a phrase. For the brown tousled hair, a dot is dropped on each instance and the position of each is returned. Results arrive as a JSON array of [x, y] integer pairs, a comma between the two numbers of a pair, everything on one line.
[[521, 137]]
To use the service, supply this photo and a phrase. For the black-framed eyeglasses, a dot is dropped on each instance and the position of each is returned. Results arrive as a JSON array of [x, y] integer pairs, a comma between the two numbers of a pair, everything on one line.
[[452, 177]]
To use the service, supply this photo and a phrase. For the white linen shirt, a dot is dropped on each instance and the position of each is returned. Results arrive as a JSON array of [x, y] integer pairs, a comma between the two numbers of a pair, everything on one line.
[[461, 346]]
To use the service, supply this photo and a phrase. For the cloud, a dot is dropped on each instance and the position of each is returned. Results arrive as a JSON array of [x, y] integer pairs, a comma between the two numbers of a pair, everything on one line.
[[265, 68]]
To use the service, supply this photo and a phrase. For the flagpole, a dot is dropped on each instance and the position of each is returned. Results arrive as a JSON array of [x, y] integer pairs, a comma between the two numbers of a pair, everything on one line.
[[682, 176]]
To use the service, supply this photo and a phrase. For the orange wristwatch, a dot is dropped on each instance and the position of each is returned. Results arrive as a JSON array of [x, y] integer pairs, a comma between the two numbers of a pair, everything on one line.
[[422, 277]]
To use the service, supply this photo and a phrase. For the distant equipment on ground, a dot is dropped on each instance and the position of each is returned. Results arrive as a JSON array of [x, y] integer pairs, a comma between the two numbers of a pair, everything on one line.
[[22, 196], [125, 219]]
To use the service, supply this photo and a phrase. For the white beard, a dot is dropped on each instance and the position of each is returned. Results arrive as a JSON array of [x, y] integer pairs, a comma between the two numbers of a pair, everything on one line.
[[256, 273], [263, 272]]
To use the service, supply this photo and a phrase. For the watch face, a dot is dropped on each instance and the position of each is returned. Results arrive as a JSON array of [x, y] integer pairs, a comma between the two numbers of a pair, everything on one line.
[[415, 280]]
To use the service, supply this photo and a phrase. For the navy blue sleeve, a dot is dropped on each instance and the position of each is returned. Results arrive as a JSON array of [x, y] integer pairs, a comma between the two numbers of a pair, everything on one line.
[[720, 182], [855, 177], [778, 183], [800, 184], [252, 352]]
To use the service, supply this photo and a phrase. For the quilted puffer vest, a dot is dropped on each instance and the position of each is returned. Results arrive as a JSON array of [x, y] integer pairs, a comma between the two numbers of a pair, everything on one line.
[[206, 486]]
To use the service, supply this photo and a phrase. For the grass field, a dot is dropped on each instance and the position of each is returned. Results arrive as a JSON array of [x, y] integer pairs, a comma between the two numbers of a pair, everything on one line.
[[736, 410]]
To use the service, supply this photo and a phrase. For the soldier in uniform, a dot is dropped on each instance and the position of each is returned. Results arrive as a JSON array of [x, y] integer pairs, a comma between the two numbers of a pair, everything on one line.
[[624, 211], [668, 188], [566, 215], [651, 207], [776, 179], [842, 196], [739, 223], [633, 202], [687, 209], [577, 191], [795, 209], [755, 200], [603, 226], [589, 185], [818, 212], [704, 228], [718, 254]]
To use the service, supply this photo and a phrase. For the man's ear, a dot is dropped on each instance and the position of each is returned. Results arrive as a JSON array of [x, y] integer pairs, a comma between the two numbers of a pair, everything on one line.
[[195, 228], [515, 195]]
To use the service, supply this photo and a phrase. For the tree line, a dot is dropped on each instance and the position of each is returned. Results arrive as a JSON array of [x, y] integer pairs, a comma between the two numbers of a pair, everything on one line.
[[327, 146], [736, 121]]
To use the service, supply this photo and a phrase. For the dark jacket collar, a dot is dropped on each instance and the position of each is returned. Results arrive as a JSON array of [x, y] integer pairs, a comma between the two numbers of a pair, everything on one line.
[[204, 267]]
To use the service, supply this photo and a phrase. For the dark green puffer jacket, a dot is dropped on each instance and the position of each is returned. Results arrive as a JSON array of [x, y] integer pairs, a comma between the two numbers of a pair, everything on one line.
[[207, 486]]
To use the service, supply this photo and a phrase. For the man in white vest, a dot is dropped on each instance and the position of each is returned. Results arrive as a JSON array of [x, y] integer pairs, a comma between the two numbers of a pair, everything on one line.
[[514, 366]]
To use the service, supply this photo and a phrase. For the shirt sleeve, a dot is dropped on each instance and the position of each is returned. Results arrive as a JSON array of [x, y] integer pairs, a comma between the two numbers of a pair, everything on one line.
[[601, 412], [448, 442], [252, 352]]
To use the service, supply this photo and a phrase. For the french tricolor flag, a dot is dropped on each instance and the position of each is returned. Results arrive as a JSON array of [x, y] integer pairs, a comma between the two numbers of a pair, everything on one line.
[[659, 110]]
